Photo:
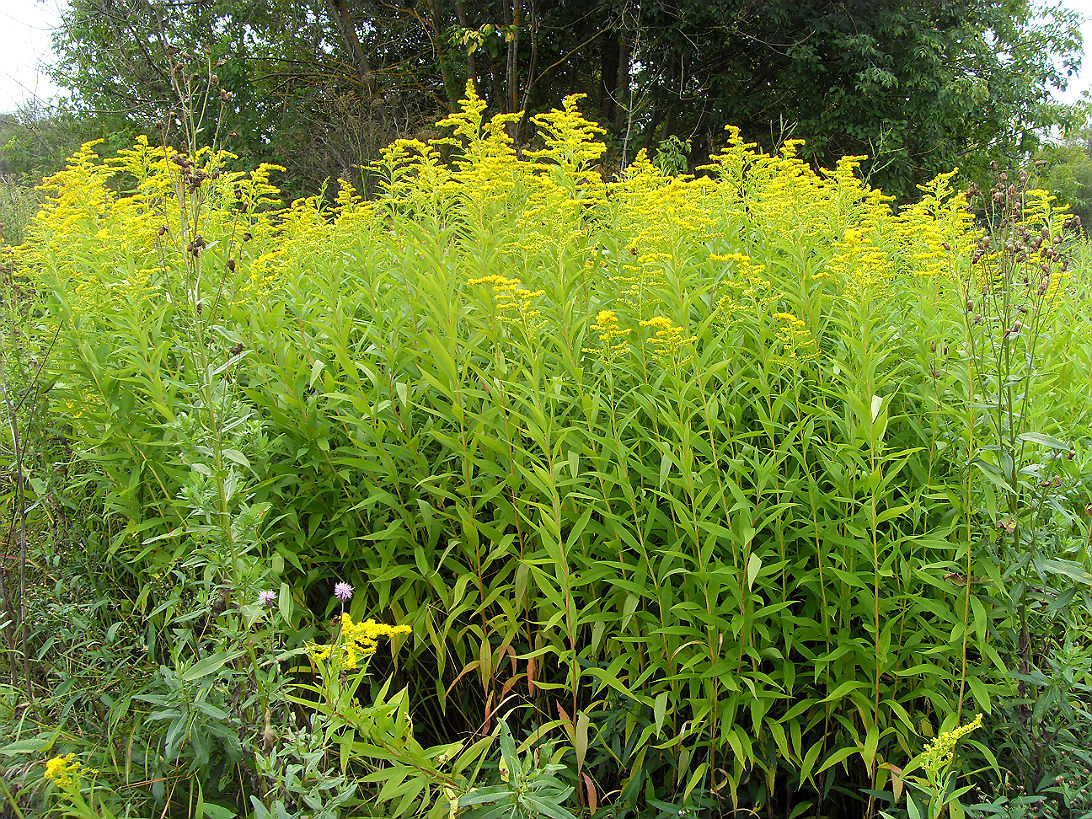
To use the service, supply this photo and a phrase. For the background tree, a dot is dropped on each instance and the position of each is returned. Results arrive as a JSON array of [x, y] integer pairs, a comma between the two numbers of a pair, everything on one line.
[[322, 85]]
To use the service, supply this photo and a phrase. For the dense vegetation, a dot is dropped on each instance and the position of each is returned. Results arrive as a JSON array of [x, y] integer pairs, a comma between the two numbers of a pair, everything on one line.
[[383, 441], [696, 495]]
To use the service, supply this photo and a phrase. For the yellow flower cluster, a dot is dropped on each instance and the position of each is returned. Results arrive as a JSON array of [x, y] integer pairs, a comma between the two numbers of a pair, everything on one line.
[[612, 338], [63, 770], [794, 337], [862, 258], [510, 296], [355, 642], [668, 337], [940, 752], [748, 289], [572, 145], [1040, 210], [107, 249], [936, 234]]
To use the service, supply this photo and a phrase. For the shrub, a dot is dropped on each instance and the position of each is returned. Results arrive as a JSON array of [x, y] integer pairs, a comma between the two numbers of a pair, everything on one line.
[[678, 464]]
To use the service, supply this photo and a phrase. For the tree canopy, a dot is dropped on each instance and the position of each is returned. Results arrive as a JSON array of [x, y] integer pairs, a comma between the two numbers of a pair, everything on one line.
[[322, 85]]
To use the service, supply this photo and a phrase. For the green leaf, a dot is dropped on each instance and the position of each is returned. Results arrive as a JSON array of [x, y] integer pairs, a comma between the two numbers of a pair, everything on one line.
[[754, 566], [209, 665], [316, 369], [547, 809], [1043, 440], [30, 746]]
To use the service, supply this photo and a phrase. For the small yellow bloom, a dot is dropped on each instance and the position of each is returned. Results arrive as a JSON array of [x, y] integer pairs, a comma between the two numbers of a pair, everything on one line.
[[356, 641], [63, 770], [668, 337], [940, 752]]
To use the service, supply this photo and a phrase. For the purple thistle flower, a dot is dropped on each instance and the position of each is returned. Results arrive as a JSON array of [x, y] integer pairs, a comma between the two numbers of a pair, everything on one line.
[[267, 598], [343, 591]]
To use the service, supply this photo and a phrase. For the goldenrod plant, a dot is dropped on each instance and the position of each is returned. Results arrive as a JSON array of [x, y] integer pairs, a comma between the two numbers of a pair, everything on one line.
[[937, 778], [685, 472]]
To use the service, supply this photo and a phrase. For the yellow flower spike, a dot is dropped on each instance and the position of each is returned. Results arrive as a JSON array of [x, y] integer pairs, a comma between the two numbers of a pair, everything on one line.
[[612, 338], [354, 642], [794, 337], [64, 771], [941, 751], [668, 337], [509, 295]]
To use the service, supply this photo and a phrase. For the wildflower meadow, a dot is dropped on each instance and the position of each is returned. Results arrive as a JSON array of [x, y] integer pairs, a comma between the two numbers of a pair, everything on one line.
[[524, 488]]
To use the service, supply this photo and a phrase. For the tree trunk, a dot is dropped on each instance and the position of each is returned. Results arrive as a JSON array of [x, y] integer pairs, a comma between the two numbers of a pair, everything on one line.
[[464, 23], [608, 79], [340, 14], [622, 96], [439, 47]]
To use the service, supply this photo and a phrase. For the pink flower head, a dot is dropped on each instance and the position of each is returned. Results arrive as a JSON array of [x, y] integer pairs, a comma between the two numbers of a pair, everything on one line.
[[343, 591], [267, 598]]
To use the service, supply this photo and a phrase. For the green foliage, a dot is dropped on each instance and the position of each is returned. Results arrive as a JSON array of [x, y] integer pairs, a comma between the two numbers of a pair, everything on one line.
[[36, 140], [528, 790], [704, 475], [1065, 168]]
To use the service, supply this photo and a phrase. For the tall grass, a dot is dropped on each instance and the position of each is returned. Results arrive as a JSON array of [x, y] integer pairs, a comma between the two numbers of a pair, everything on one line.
[[676, 469]]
